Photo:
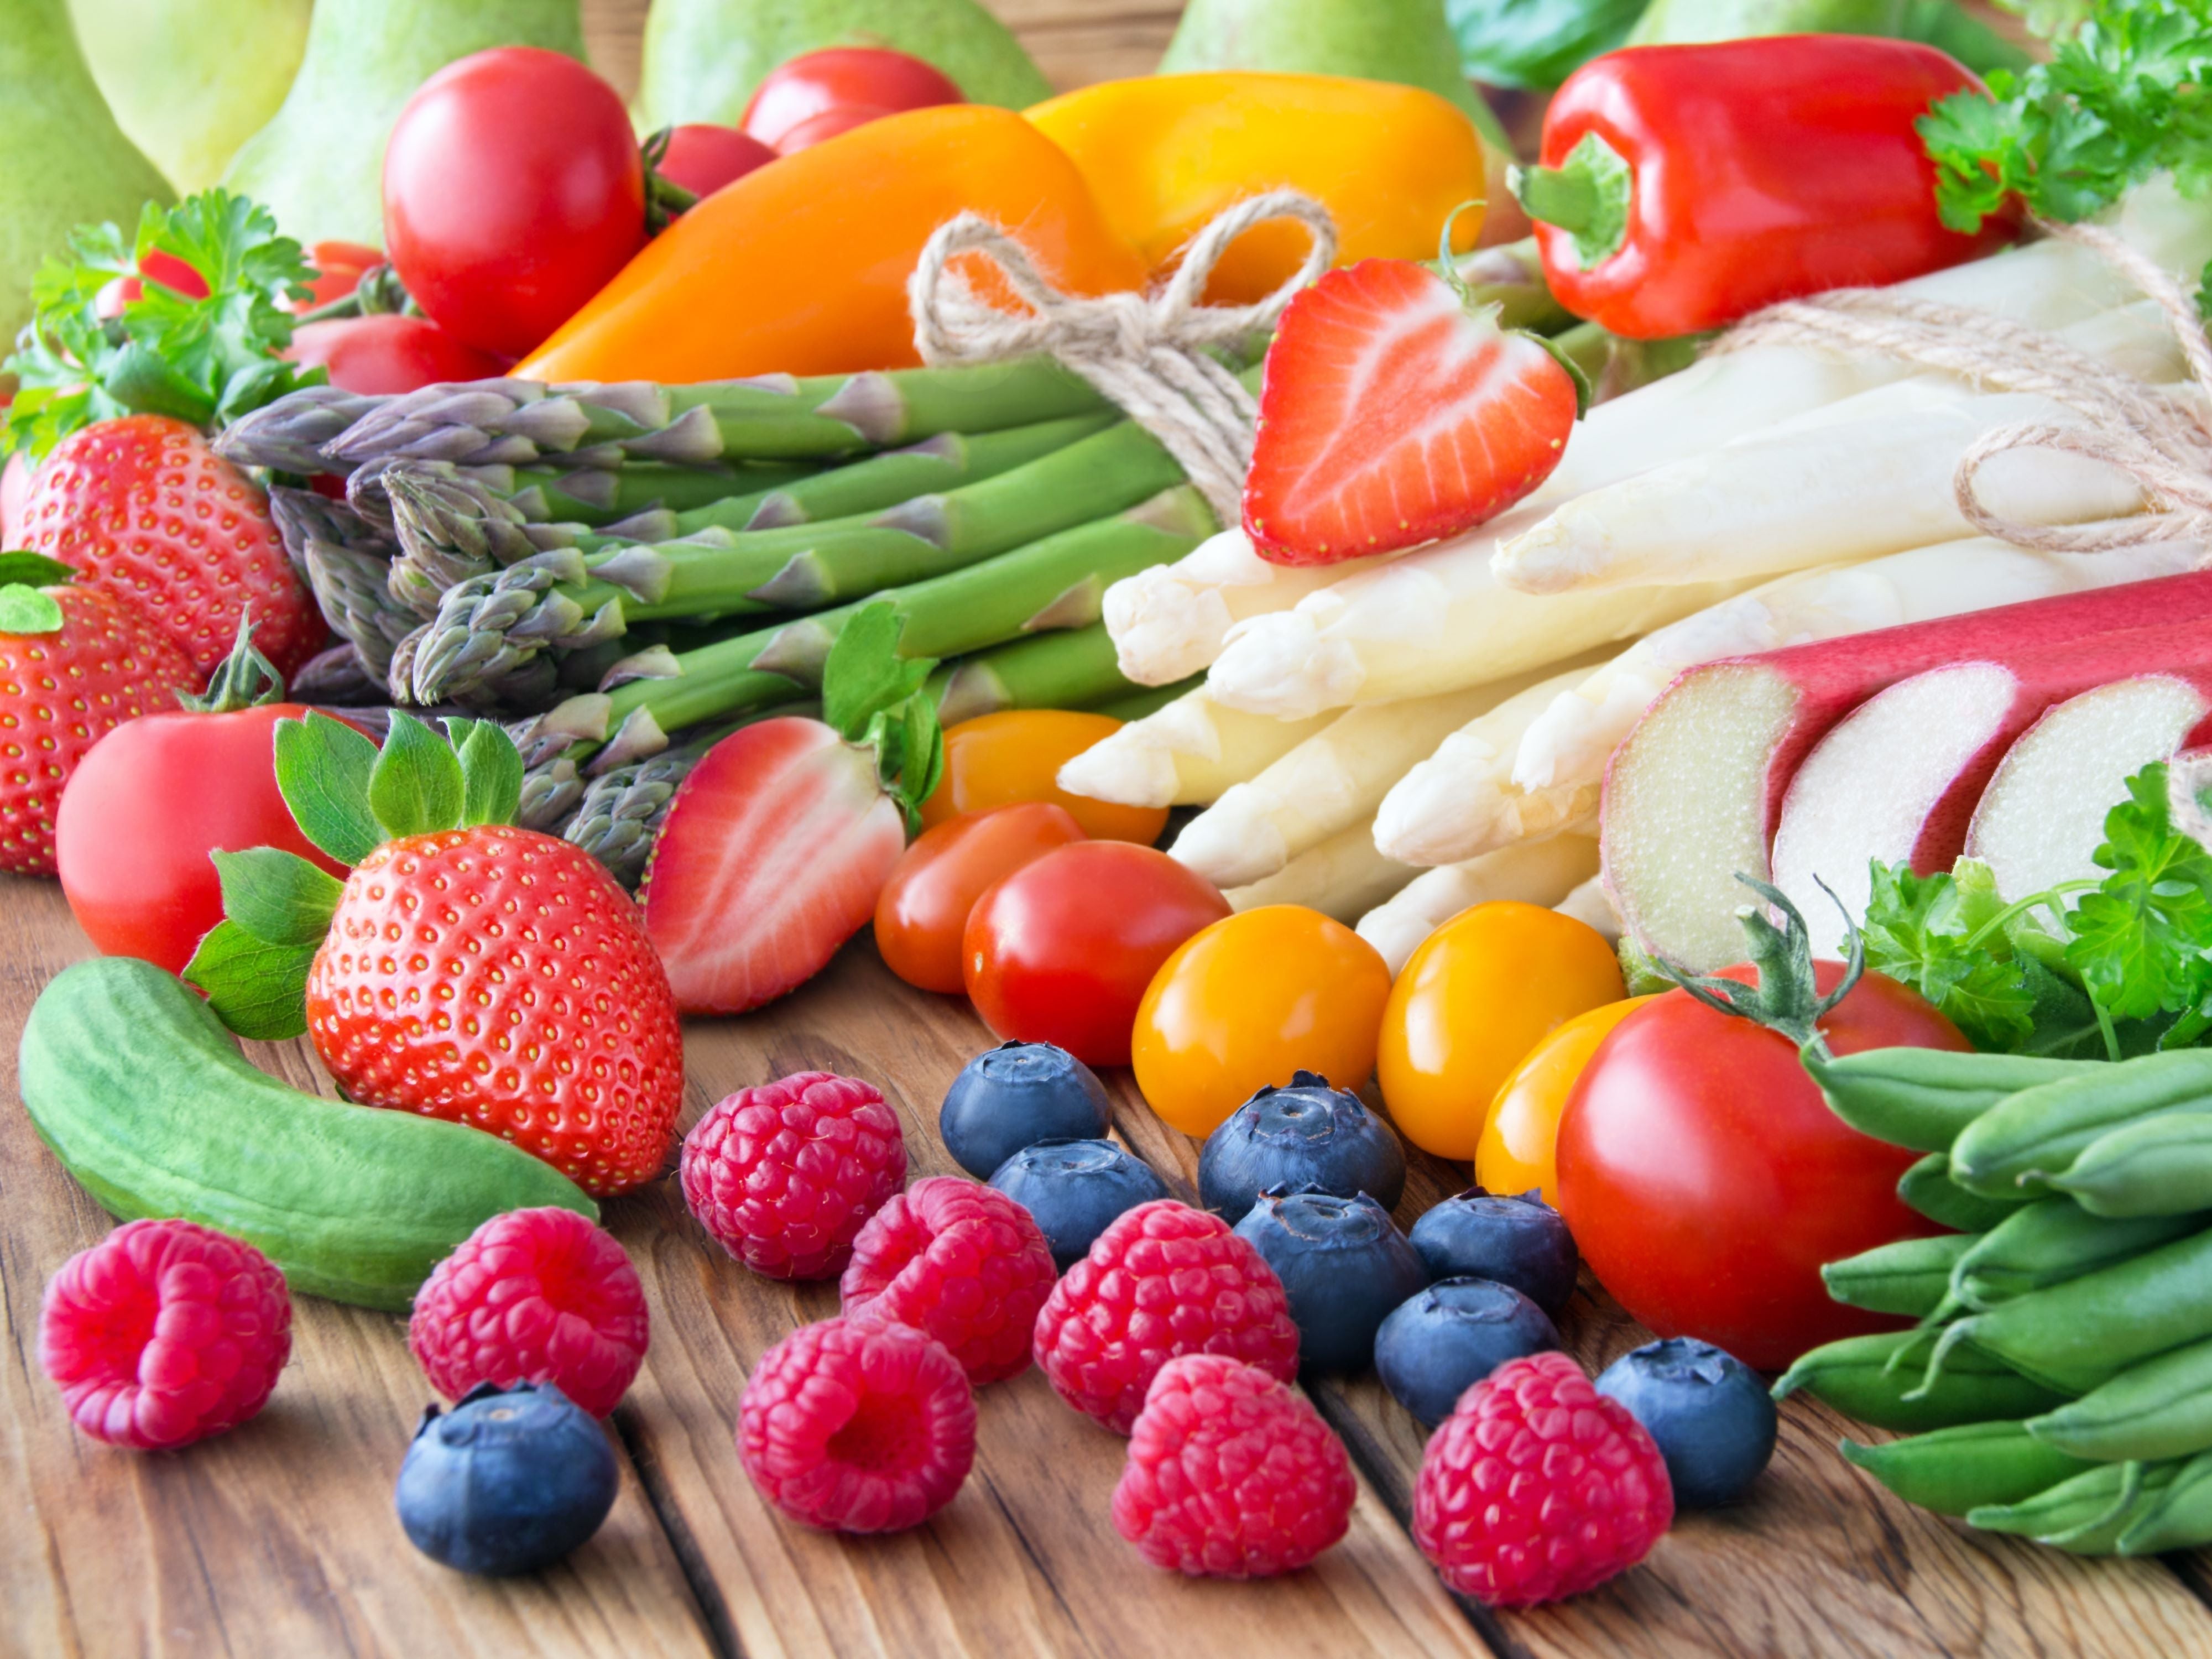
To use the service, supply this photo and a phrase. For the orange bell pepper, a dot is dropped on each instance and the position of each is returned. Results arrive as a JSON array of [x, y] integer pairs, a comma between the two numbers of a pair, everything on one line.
[[801, 267], [1166, 152]]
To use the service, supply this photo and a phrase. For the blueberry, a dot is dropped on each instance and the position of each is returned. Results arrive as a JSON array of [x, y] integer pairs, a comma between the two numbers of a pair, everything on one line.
[[1306, 1135], [1434, 1348], [1343, 1262], [1015, 1095], [508, 1482], [1075, 1190], [1521, 1242], [1710, 1415]]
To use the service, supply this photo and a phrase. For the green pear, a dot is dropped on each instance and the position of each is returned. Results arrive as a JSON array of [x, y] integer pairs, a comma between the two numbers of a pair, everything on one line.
[[703, 57], [190, 80], [63, 162], [318, 164]]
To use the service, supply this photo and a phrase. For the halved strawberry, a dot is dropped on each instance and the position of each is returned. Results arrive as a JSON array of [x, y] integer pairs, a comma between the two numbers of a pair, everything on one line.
[[776, 845], [1394, 414]]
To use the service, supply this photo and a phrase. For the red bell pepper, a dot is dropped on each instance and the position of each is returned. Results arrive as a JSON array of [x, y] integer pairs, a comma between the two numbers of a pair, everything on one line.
[[1683, 188]]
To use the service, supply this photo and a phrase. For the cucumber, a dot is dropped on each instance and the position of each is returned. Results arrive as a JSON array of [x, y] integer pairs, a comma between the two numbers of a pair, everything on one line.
[[141, 1094]]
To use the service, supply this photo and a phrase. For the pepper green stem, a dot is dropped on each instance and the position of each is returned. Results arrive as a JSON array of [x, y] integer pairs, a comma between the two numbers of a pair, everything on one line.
[[1587, 196]]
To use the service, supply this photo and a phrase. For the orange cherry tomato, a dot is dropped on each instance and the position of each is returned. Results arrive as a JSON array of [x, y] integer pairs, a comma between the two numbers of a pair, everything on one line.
[[1248, 1002], [924, 907], [1015, 755], [1521, 1137], [1482, 991]]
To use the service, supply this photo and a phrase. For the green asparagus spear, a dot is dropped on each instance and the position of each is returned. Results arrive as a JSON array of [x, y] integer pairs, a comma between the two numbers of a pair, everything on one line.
[[1066, 668]]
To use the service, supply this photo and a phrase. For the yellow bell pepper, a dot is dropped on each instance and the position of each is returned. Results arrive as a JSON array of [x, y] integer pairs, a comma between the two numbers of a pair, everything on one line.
[[1164, 154]]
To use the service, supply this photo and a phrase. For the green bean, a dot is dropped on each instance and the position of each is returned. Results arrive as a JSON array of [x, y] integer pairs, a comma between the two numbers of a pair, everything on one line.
[[1970, 1467], [1910, 1277], [1854, 1376], [2086, 1514], [2160, 1408], [1924, 1097], [2159, 1166], [2178, 1518], [1928, 1188], [2039, 1131], [2049, 1242]]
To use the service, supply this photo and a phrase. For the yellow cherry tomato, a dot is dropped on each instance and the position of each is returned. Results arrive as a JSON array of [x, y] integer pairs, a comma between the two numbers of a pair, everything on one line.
[[998, 760], [1250, 1000], [1482, 991], [1515, 1152]]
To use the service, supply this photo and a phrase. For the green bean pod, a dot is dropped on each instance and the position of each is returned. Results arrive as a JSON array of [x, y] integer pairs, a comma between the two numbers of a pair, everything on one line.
[[2018, 1144], [1973, 1466], [1927, 1186], [2049, 1242], [1922, 1098], [1855, 1376], [2159, 1166], [1911, 1277], [2178, 1518], [2088, 1514], [2160, 1409]]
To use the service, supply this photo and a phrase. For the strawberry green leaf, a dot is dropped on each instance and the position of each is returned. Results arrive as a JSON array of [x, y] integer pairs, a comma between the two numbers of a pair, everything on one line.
[[28, 610], [864, 675], [415, 787], [34, 570], [258, 990], [491, 772], [323, 768], [278, 896]]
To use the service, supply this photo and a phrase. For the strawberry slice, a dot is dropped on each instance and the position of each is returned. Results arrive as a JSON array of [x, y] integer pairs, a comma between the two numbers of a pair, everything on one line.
[[1394, 414]]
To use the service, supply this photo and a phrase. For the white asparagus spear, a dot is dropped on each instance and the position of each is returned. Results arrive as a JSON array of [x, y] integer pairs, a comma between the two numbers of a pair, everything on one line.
[[1591, 905], [1534, 872], [1567, 746], [1183, 754], [1343, 876], [1335, 779], [1461, 801]]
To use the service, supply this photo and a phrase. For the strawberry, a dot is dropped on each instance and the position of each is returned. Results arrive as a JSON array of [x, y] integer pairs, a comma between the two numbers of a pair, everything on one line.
[[143, 507], [114, 664], [776, 847], [465, 970], [1394, 413]]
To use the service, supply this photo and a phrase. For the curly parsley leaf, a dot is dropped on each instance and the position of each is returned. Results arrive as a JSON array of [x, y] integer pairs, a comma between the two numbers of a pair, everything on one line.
[[2142, 941], [1931, 933]]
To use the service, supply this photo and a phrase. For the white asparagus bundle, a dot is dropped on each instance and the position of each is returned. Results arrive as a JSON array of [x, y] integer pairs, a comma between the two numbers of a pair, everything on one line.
[[1336, 778], [1183, 754], [1592, 906], [1343, 876], [1534, 872], [1567, 746], [1461, 801]]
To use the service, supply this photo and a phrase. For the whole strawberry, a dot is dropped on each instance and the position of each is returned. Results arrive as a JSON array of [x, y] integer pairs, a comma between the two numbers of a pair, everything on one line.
[[466, 970], [74, 662], [142, 507]]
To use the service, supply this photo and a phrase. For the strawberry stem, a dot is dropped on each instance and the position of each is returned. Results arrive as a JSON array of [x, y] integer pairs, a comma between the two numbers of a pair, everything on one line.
[[244, 679]]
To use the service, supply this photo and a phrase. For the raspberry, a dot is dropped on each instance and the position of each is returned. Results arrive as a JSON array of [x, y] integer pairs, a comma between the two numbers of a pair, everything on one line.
[[784, 1176], [165, 1332], [1231, 1475], [1164, 1279], [960, 1262], [1537, 1487], [868, 1427], [534, 1296]]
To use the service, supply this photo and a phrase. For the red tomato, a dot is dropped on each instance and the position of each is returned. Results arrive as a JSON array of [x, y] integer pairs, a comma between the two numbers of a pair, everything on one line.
[[830, 123], [378, 356], [1705, 1180], [1063, 950], [703, 157], [923, 910], [145, 808], [513, 190], [339, 267], [870, 77]]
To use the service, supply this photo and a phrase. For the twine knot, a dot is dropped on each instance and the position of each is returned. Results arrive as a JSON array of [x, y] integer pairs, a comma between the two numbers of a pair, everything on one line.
[[1152, 355]]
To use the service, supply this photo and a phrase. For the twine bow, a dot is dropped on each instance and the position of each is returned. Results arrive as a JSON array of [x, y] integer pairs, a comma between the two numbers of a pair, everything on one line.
[[1152, 355], [2160, 438]]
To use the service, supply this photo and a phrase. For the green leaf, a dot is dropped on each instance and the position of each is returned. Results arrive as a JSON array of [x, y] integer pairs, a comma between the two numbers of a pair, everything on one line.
[[278, 897], [28, 610], [415, 787], [864, 675], [323, 769], [1535, 44], [34, 570], [258, 990], [1933, 933], [491, 772], [2142, 941]]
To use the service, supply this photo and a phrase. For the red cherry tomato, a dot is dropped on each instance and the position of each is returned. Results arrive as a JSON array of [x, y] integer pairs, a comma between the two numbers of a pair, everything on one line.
[[513, 190], [923, 910], [1706, 1181], [339, 267], [703, 157], [830, 123], [378, 356], [1062, 950], [872, 77], [146, 807]]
